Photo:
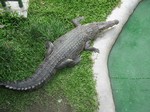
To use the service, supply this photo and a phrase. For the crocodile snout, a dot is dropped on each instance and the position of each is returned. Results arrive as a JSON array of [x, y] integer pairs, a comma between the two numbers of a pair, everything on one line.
[[116, 21]]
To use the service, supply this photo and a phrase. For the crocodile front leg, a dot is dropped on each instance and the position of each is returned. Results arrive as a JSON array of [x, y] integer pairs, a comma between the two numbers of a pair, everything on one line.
[[76, 21], [75, 61], [88, 47], [69, 62]]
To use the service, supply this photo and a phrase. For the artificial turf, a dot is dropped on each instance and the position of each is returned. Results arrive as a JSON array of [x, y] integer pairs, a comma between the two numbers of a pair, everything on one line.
[[129, 63], [22, 49]]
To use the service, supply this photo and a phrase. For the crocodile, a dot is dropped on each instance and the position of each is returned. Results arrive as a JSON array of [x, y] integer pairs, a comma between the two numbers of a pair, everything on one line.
[[63, 52]]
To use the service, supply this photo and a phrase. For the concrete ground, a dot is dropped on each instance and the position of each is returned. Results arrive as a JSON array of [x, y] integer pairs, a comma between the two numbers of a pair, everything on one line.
[[105, 43], [14, 6]]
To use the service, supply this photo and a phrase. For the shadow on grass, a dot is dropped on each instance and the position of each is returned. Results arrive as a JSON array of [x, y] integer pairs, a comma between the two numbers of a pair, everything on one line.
[[39, 100]]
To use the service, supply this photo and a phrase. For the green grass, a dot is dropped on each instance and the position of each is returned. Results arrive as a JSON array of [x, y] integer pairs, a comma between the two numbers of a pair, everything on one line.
[[22, 47]]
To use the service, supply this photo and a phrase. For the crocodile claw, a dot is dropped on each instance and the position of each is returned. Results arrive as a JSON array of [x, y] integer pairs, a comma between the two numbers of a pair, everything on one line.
[[96, 50]]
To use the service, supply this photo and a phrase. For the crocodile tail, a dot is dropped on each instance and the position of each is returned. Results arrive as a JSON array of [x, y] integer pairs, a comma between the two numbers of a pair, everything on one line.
[[28, 84], [43, 73], [34, 82]]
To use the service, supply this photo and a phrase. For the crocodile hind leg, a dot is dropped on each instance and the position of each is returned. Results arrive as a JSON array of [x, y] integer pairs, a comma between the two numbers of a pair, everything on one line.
[[77, 21], [49, 47], [88, 47], [74, 62], [69, 62], [64, 63]]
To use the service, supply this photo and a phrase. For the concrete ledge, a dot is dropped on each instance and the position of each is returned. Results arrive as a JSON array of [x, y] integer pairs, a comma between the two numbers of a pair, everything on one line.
[[104, 44], [14, 6]]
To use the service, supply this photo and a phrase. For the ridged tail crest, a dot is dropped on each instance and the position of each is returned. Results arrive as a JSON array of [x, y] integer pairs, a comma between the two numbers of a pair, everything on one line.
[[43, 73]]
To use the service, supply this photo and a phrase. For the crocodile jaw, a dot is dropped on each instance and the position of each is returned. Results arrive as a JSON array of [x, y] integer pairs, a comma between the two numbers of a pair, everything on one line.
[[107, 24]]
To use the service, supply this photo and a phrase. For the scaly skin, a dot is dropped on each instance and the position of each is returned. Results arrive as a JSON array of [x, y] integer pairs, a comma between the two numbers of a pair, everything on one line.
[[63, 52]]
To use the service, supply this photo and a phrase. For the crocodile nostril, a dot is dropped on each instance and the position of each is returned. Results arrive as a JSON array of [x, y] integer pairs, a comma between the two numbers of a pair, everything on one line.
[[116, 21]]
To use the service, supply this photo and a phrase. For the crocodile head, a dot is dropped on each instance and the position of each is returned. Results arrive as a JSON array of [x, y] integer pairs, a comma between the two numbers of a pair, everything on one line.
[[92, 29], [105, 25]]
